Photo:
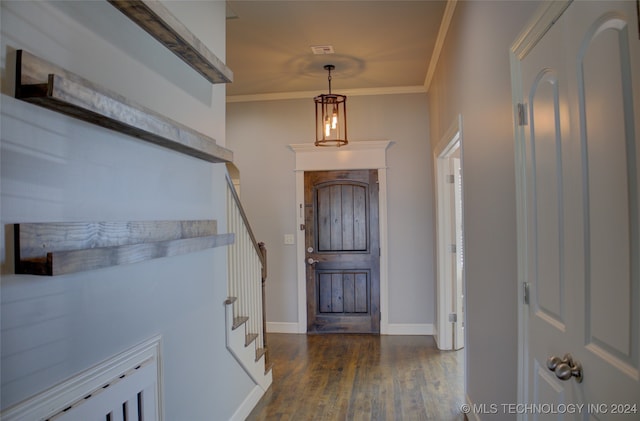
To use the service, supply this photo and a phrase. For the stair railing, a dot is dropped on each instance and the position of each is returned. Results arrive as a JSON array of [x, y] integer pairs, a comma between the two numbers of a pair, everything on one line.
[[247, 271]]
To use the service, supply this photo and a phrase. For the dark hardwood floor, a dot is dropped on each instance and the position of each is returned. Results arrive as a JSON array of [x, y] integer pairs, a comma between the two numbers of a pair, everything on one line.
[[361, 377]]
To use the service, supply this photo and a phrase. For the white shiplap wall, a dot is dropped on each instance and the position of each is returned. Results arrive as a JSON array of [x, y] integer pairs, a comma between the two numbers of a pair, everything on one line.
[[55, 168]]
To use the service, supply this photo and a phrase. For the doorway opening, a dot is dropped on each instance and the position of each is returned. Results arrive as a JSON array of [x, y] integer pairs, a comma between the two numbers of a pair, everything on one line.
[[450, 240]]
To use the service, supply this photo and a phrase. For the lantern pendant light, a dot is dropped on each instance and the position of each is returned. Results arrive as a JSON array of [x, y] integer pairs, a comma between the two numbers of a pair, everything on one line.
[[331, 117]]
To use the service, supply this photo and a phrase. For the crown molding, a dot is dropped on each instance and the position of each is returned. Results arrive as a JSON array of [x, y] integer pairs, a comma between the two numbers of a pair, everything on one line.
[[447, 16], [280, 96]]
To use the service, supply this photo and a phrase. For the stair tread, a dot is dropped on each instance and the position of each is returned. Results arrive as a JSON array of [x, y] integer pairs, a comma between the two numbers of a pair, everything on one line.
[[267, 368], [250, 337], [239, 321], [260, 352]]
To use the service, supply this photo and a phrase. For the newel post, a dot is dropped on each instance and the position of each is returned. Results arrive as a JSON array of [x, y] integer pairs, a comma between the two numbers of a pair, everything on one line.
[[263, 251]]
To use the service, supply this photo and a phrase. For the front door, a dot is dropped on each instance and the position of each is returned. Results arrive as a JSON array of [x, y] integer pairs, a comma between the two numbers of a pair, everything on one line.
[[342, 251], [579, 236]]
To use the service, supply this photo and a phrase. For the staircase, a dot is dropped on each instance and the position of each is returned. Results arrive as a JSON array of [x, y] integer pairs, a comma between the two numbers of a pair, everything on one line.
[[244, 309], [244, 346]]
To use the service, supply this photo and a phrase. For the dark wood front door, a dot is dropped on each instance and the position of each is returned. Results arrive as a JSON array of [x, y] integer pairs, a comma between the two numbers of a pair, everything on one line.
[[342, 251]]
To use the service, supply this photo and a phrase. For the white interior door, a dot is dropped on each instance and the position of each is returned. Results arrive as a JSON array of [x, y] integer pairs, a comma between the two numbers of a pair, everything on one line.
[[458, 278], [578, 222]]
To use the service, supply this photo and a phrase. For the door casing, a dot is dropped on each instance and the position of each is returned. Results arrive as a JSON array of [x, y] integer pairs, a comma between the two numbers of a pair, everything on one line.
[[355, 156], [446, 303]]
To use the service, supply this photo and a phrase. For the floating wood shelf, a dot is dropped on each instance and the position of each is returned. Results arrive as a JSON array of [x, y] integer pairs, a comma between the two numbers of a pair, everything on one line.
[[158, 21], [68, 247], [47, 85]]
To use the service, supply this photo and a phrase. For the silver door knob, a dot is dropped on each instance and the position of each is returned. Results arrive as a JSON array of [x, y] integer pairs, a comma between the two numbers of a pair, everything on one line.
[[565, 368], [312, 261]]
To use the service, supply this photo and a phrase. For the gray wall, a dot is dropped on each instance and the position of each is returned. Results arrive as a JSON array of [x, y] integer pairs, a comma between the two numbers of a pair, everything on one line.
[[473, 79], [259, 133], [55, 168]]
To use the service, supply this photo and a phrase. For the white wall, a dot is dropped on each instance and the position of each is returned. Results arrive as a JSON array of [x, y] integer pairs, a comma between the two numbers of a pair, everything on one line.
[[259, 132], [55, 168], [473, 79]]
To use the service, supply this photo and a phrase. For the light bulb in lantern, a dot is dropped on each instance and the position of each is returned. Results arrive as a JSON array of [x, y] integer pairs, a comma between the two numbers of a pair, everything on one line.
[[327, 127]]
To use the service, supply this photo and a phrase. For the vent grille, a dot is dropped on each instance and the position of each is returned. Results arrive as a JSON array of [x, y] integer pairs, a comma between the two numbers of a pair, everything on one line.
[[126, 387], [322, 49]]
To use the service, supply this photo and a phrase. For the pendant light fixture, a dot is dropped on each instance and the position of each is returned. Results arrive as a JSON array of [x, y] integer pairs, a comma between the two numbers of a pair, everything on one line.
[[331, 117]]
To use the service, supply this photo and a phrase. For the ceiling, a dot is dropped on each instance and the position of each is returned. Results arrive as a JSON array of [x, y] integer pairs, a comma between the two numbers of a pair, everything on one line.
[[379, 46]]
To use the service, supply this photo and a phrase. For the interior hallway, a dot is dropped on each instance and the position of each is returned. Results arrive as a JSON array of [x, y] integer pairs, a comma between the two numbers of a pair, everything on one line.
[[361, 377]]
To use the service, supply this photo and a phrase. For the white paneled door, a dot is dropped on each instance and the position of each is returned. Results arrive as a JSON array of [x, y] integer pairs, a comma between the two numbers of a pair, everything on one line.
[[577, 96]]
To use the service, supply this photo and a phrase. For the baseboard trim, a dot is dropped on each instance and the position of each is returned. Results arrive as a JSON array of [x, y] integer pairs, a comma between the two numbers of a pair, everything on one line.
[[471, 415], [391, 329], [282, 327], [248, 404], [410, 329]]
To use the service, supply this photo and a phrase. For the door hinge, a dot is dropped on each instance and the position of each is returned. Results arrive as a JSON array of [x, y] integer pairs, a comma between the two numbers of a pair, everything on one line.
[[526, 292], [453, 317], [302, 227], [451, 178], [452, 248], [522, 114]]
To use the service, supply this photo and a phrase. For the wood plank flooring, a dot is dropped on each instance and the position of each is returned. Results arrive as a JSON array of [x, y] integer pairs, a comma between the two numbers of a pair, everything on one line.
[[361, 377]]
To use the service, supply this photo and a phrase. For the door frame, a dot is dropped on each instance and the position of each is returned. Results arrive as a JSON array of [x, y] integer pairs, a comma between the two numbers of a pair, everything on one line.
[[450, 141], [362, 155], [536, 28]]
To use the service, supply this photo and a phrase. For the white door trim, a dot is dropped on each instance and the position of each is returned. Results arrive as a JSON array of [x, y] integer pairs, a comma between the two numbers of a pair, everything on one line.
[[354, 156], [537, 27], [450, 141]]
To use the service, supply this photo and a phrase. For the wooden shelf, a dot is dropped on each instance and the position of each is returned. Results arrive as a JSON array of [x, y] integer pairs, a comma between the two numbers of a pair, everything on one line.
[[156, 19], [47, 85], [60, 248]]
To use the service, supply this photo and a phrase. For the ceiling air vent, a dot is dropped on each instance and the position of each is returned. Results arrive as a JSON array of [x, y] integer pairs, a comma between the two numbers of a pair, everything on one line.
[[322, 49]]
